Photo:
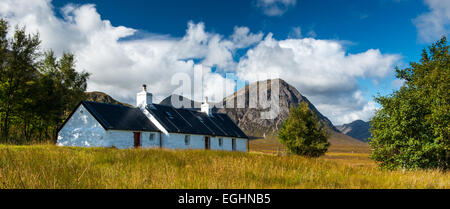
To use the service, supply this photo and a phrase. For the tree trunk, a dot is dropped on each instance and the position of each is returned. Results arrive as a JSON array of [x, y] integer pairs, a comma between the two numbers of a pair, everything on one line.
[[6, 127]]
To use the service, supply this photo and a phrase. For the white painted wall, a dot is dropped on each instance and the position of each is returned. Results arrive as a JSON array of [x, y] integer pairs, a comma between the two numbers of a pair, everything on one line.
[[176, 141], [83, 130], [146, 142], [241, 144], [125, 139]]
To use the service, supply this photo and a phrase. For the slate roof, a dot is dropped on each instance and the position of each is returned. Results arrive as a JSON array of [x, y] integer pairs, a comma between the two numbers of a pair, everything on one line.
[[193, 122], [185, 121], [119, 117]]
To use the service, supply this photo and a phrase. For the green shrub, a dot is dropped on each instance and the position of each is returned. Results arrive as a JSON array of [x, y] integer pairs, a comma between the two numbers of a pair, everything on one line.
[[303, 134]]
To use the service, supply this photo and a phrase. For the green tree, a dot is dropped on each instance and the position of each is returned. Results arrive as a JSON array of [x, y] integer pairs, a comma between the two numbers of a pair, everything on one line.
[[303, 134], [37, 90], [18, 74], [411, 129], [61, 88]]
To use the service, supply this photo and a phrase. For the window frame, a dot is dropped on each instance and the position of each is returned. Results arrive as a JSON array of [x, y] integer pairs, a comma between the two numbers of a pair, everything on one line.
[[220, 142], [187, 139], [233, 144], [151, 137]]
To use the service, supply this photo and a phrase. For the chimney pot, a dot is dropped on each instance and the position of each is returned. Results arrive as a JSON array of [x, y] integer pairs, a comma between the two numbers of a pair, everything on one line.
[[205, 107], [143, 98]]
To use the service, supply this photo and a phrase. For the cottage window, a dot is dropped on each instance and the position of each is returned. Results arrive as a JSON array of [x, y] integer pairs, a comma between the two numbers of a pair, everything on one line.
[[151, 137], [220, 142], [187, 139], [233, 144]]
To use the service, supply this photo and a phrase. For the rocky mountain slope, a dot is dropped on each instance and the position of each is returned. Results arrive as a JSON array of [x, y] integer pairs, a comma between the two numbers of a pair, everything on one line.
[[357, 129], [97, 96], [168, 101], [249, 120]]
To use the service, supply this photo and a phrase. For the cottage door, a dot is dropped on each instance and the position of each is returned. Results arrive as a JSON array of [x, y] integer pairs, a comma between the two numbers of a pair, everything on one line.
[[207, 143], [137, 139]]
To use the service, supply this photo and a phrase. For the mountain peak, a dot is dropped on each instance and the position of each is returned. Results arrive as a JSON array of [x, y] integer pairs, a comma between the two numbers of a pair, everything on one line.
[[249, 118], [357, 129], [97, 96], [168, 101]]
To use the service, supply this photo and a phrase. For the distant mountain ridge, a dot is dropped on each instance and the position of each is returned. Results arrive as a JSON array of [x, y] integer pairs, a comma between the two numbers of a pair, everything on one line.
[[357, 129], [249, 120], [176, 97], [101, 97]]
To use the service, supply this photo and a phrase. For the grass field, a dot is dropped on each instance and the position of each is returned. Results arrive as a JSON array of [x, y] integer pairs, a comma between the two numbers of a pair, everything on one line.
[[49, 166], [343, 149]]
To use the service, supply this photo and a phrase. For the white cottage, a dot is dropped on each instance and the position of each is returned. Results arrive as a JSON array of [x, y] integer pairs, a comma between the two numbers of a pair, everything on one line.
[[94, 124]]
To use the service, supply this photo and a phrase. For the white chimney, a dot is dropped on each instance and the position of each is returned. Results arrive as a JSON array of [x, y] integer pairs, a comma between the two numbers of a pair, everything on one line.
[[143, 98], [205, 107]]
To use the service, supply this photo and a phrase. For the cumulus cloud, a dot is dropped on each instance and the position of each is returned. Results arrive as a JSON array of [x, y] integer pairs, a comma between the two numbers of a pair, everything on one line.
[[321, 70], [275, 7], [242, 38], [120, 61], [435, 23], [120, 66]]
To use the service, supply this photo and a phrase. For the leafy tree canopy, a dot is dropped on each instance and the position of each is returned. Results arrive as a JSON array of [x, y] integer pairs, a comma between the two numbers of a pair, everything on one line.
[[303, 134], [37, 90], [411, 129]]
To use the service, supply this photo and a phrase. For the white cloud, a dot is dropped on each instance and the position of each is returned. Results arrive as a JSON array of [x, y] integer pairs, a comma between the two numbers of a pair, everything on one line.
[[119, 67], [120, 62], [397, 83], [435, 23], [242, 38], [321, 70], [275, 7]]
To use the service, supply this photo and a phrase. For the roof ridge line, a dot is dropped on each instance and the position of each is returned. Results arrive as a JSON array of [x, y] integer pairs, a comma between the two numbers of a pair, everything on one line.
[[120, 105], [96, 114]]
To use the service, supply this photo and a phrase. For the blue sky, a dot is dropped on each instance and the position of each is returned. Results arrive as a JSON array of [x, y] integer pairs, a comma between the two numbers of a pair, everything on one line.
[[337, 53], [383, 24]]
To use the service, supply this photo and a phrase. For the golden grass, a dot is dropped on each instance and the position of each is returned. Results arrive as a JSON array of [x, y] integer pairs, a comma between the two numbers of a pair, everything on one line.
[[343, 149], [49, 166]]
